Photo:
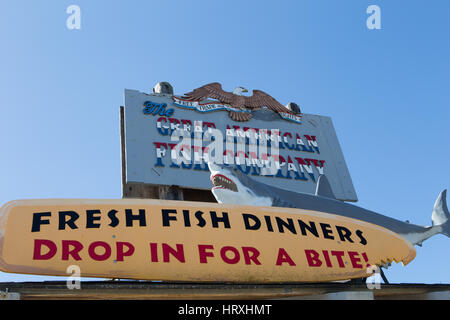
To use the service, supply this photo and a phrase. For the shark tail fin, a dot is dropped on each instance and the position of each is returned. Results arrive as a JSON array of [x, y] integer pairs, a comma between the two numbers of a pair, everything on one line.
[[440, 215]]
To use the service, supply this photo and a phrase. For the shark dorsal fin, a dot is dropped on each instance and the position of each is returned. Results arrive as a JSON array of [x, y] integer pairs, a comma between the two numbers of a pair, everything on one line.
[[323, 188]]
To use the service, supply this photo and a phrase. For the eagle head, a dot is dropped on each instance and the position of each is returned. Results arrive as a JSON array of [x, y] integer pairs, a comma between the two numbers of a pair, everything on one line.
[[239, 91]]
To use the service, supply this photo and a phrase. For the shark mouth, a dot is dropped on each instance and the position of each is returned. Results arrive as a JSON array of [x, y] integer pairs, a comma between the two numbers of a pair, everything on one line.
[[221, 182]]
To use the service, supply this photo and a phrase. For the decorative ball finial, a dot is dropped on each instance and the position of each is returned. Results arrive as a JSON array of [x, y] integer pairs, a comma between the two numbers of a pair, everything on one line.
[[293, 107], [163, 88]]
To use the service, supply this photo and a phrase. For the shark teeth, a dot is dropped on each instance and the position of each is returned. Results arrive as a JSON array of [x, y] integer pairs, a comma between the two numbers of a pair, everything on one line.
[[388, 261], [220, 181]]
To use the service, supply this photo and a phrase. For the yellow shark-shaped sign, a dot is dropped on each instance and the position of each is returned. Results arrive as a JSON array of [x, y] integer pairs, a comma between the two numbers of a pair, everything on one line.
[[191, 241]]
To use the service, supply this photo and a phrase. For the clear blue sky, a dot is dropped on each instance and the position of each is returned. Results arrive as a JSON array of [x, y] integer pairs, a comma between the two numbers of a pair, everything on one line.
[[387, 91]]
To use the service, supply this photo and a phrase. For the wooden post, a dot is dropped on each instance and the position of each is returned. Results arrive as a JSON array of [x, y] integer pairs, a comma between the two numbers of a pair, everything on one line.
[[170, 193], [122, 151]]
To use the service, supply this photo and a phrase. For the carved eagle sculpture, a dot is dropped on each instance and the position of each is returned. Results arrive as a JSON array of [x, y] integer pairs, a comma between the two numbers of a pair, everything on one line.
[[236, 100]]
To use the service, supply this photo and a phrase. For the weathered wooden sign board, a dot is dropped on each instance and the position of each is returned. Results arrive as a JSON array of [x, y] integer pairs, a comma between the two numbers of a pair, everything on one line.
[[190, 241], [307, 145]]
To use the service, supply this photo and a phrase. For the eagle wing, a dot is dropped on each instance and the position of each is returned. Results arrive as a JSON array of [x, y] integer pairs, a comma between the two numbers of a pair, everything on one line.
[[211, 90], [261, 99]]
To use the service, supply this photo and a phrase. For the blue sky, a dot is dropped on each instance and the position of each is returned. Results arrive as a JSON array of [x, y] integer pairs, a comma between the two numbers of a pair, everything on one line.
[[387, 91]]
